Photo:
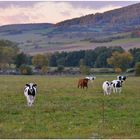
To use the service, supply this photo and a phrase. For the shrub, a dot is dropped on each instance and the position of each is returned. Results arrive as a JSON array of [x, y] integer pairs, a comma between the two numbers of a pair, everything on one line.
[[118, 70], [137, 69], [44, 70], [60, 68], [25, 70]]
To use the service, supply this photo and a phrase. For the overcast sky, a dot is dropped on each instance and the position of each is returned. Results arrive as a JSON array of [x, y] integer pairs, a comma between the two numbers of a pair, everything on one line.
[[15, 12]]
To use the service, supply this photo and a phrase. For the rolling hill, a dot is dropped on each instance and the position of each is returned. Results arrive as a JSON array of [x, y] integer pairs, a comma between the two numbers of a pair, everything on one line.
[[111, 28], [118, 20]]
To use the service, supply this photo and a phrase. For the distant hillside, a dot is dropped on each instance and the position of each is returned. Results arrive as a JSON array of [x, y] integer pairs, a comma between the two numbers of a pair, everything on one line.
[[119, 27], [122, 19], [19, 28]]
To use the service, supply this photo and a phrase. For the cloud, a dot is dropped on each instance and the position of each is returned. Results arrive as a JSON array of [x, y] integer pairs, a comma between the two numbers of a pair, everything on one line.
[[99, 4], [45, 12]]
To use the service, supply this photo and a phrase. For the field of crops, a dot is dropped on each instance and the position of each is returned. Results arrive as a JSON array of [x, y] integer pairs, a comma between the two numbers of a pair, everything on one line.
[[61, 110]]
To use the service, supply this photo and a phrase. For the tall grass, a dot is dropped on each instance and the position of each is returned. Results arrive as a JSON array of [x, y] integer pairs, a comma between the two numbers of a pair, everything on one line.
[[61, 110]]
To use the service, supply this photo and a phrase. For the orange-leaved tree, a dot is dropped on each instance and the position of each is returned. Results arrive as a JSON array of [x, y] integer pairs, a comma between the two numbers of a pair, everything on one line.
[[120, 60]]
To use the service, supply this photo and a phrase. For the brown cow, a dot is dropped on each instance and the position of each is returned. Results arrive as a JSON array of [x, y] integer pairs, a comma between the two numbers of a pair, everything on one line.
[[82, 83]]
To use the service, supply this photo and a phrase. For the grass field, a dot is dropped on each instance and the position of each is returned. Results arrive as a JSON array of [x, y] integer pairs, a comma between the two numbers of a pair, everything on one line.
[[61, 110]]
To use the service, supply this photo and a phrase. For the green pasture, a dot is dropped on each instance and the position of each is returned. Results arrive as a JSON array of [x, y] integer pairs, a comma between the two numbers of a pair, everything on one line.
[[126, 40], [61, 110]]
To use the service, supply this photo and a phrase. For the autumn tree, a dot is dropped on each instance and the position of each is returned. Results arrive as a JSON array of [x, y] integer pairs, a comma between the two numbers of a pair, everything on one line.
[[120, 60], [39, 61], [25, 69]]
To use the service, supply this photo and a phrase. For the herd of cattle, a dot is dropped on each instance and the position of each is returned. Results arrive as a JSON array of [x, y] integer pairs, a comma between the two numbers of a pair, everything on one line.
[[108, 87], [114, 86]]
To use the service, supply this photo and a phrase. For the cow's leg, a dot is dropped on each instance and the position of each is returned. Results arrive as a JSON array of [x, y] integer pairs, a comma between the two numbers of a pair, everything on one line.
[[109, 91], [78, 86], [28, 100], [104, 93], [114, 89], [119, 90], [31, 100]]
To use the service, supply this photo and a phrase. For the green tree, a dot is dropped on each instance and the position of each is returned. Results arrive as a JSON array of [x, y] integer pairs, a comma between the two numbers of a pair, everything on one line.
[[60, 68], [61, 61], [136, 55], [137, 69], [101, 60], [83, 68], [21, 58], [90, 58], [8, 51]]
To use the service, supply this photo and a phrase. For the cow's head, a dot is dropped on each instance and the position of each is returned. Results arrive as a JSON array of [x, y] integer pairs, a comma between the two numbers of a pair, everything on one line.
[[124, 78], [91, 78], [31, 86], [121, 77]]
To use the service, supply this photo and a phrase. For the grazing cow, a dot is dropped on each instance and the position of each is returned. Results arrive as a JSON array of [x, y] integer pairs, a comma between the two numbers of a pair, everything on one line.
[[30, 93], [107, 88], [121, 77], [82, 83], [117, 86], [90, 77]]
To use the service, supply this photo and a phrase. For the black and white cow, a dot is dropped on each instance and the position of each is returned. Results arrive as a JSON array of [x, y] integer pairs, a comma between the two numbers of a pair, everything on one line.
[[30, 93], [117, 86], [121, 77]]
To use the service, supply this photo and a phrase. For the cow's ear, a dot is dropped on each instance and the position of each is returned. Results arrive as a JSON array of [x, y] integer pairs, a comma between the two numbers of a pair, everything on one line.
[[27, 85], [35, 85]]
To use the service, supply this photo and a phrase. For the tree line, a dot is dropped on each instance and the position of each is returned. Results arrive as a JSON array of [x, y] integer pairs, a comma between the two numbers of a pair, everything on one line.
[[101, 57], [97, 58]]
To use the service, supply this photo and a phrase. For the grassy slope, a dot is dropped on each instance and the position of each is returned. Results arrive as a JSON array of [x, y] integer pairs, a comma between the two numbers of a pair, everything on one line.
[[62, 42], [61, 110], [85, 45]]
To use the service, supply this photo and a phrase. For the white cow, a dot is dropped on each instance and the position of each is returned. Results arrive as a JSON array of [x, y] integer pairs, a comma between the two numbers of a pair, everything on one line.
[[117, 86], [107, 88], [91, 78], [30, 93]]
